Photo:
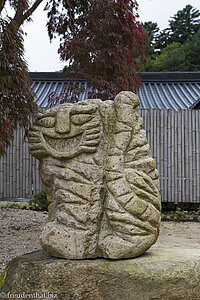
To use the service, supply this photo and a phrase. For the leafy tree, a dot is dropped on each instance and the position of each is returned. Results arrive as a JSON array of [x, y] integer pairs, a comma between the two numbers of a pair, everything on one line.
[[171, 59], [16, 96], [184, 24], [64, 14], [103, 41]]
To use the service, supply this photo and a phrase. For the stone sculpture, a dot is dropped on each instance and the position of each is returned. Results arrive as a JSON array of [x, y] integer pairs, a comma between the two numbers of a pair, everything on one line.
[[100, 177]]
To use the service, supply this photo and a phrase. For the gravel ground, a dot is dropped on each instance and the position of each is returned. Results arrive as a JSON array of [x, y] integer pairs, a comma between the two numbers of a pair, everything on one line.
[[19, 234]]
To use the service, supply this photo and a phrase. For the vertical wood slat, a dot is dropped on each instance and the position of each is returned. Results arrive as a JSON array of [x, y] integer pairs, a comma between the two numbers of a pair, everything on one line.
[[34, 175], [179, 163], [169, 150], [162, 154], [175, 150], [173, 156], [157, 141], [182, 154], [27, 190], [198, 154], [23, 158], [30, 176], [14, 184], [4, 174], [190, 155], [18, 164], [7, 171], [194, 184], [187, 183], [174, 137], [10, 186], [148, 126], [154, 129], [37, 178], [165, 160]]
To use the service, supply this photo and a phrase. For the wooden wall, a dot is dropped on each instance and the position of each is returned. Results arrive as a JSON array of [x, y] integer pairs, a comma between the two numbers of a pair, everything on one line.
[[19, 176], [174, 137]]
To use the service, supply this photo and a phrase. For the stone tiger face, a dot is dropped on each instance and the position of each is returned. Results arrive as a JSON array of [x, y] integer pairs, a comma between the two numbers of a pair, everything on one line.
[[66, 131], [100, 177]]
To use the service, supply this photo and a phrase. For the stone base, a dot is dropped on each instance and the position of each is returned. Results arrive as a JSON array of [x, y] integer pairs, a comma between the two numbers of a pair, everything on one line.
[[159, 274]]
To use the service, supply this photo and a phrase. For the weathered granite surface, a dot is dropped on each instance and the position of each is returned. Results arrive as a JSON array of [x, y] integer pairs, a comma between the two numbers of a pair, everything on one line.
[[100, 177], [158, 274]]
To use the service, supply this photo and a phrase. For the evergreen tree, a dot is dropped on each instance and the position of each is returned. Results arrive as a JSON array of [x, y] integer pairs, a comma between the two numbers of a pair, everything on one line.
[[177, 57], [192, 51], [177, 48], [162, 39], [152, 31], [184, 25]]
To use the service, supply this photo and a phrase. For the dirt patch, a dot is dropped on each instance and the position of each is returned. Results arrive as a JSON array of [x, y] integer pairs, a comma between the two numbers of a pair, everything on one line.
[[19, 234], [179, 235]]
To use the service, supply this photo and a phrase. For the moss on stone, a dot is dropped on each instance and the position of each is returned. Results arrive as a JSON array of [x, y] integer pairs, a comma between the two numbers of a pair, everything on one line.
[[158, 274], [3, 277]]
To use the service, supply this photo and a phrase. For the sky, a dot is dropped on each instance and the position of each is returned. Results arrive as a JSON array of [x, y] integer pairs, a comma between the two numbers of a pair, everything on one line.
[[42, 56]]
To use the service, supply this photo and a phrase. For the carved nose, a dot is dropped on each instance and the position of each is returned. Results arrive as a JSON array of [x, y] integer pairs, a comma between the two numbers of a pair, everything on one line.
[[63, 122]]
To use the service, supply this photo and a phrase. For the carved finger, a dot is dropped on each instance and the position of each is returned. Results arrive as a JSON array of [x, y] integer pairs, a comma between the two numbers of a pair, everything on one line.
[[35, 146], [92, 136], [34, 133], [34, 128], [91, 142], [90, 149], [34, 139], [92, 130]]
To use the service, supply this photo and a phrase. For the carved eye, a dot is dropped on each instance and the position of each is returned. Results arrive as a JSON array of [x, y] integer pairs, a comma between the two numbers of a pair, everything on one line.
[[46, 122], [80, 119]]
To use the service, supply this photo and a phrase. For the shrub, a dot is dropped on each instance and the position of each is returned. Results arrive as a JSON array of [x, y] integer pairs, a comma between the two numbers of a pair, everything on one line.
[[181, 215], [39, 201]]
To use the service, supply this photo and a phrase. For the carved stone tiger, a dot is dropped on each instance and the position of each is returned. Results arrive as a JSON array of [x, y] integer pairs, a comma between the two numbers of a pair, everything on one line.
[[100, 177]]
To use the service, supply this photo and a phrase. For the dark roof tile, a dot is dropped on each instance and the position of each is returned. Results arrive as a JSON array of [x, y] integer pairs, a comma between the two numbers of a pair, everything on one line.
[[174, 90]]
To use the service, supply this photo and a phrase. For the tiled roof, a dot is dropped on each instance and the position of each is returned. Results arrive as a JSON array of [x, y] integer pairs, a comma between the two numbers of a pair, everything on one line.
[[175, 90]]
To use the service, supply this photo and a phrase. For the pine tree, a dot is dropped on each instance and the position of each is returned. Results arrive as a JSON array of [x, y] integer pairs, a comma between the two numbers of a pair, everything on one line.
[[152, 30], [184, 25]]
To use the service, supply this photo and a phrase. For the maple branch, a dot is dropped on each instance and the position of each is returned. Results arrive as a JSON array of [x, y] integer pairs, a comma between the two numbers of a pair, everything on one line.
[[20, 17], [32, 9], [2, 4]]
